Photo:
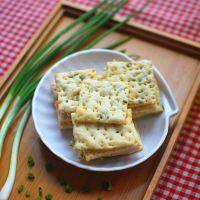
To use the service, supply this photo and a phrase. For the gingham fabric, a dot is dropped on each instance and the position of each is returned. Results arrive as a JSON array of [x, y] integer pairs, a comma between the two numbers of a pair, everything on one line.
[[19, 20], [181, 177], [178, 17]]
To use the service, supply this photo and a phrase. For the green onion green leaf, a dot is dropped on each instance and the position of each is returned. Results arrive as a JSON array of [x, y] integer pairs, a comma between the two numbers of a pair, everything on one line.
[[49, 167], [30, 176], [20, 188], [27, 194], [68, 188], [106, 186], [30, 161], [40, 191], [48, 197]]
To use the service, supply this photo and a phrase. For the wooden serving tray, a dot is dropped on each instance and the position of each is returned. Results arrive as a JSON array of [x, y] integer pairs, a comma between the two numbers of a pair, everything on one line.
[[182, 72], [145, 32]]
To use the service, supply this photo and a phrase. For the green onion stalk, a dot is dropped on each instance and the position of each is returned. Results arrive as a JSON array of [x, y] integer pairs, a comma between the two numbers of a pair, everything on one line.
[[80, 42], [114, 28], [24, 85], [30, 63], [7, 187], [20, 100], [43, 60], [34, 66], [118, 43]]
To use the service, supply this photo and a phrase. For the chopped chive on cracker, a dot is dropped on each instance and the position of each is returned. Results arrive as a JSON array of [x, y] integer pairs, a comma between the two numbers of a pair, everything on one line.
[[68, 188], [27, 194], [49, 167], [30, 176], [102, 102], [30, 161], [38, 198], [48, 197], [20, 189]]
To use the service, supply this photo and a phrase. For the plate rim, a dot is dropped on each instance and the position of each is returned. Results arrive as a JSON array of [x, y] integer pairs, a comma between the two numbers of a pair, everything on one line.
[[104, 169]]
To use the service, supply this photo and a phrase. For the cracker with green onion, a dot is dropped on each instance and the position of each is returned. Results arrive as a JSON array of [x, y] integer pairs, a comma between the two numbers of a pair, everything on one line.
[[92, 155], [144, 96], [102, 102], [66, 89], [104, 140]]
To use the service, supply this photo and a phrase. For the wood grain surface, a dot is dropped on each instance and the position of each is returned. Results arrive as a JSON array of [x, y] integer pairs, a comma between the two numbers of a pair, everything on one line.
[[172, 142], [145, 32], [179, 70]]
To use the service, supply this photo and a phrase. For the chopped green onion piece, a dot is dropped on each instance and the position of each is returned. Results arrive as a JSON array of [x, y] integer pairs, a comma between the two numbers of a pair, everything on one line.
[[38, 198], [40, 191], [27, 194], [49, 197], [30, 162], [20, 189], [49, 167], [99, 198], [68, 188], [82, 76], [106, 185], [30, 176], [92, 30], [19, 80]]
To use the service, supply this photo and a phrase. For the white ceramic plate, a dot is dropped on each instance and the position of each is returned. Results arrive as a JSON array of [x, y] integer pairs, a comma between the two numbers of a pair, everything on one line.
[[153, 129]]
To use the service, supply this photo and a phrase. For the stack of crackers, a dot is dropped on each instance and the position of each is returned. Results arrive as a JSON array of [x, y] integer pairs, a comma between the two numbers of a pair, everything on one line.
[[101, 109]]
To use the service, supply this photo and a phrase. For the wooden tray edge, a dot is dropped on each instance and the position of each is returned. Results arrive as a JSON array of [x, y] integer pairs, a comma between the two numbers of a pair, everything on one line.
[[175, 133], [173, 139], [170, 40], [30, 51], [31, 42]]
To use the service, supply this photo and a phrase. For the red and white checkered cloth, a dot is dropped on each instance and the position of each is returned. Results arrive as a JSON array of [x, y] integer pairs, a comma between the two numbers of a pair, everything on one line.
[[178, 17], [19, 20], [181, 177]]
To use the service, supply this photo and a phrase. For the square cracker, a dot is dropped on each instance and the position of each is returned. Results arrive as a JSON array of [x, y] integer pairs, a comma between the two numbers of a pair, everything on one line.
[[99, 138], [144, 97], [102, 102], [64, 119], [65, 89], [91, 155]]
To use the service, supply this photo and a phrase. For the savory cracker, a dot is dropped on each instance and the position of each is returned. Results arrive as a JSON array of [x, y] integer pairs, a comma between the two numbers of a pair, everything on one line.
[[91, 155], [102, 102], [106, 138], [144, 97], [65, 89]]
